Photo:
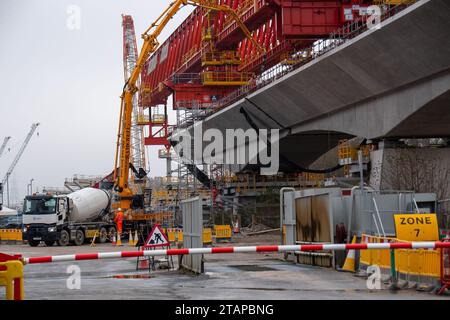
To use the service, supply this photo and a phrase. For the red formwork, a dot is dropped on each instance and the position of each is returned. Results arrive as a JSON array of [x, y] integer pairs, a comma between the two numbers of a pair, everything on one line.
[[278, 26], [181, 52], [203, 96], [310, 18]]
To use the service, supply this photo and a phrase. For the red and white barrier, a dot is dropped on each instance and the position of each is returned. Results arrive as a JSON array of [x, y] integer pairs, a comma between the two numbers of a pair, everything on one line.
[[284, 248]]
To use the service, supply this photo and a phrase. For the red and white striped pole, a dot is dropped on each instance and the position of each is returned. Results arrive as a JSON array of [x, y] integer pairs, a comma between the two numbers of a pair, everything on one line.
[[283, 248]]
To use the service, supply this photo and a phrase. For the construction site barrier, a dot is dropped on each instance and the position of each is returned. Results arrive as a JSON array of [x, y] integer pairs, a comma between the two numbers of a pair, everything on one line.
[[11, 277], [380, 258], [171, 234], [246, 249], [176, 235], [207, 235], [222, 231], [418, 262], [10, 235], [179, 235]]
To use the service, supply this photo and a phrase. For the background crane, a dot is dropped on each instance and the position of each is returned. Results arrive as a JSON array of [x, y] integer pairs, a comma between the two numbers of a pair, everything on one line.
[[130, 55], [125, 196], [5, 142], [17, 158]]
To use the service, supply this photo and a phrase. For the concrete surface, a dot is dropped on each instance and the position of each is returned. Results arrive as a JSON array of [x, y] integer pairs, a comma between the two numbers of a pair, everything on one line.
[[231, 276]]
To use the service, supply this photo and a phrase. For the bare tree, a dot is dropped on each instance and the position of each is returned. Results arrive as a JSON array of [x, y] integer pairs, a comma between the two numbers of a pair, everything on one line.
[[420, 170]]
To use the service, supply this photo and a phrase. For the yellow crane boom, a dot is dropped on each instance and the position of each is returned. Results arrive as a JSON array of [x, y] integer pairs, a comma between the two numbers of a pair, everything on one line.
[[121, 183]]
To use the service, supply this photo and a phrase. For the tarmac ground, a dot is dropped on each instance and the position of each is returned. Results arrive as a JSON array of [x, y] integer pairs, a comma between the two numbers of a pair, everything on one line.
[[227, 276]]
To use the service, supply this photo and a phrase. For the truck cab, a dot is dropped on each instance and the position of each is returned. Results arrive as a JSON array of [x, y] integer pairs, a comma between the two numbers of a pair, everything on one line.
[[72, 218], [43, 218]]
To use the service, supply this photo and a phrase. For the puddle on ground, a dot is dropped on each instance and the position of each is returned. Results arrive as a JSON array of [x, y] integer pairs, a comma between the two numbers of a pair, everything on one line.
[[131, 276], [248, 267]]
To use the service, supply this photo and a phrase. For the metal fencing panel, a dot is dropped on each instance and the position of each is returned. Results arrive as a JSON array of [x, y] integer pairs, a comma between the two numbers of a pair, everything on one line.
[[289, 218], [192, 232]]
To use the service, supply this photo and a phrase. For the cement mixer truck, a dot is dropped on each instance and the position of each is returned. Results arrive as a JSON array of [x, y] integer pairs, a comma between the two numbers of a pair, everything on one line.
[[68, 219]]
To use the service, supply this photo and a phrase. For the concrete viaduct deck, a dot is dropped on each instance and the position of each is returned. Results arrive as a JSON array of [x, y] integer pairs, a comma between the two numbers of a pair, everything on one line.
[[391, 82]]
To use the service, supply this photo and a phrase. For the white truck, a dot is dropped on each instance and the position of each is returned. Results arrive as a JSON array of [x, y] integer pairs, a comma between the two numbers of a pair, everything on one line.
[[66, 219]]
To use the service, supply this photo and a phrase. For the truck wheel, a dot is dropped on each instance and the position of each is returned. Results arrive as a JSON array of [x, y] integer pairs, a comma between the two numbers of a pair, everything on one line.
[[111, 233], [49, 243], [64, 238], [33, 243], [103, 235], [79, 237]]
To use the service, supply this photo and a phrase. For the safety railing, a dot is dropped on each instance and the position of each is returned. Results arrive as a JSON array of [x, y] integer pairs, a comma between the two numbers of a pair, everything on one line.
[[226, 78], [189, 54], [143, 120], [158, 118], [220, 58], [189, 104], [296, 58], [11, 277], [185, 78], [392, 2], [164, 154]]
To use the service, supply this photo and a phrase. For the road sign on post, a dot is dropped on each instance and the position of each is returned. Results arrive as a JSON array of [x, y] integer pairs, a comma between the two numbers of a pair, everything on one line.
[[416, 227], [157, 238]]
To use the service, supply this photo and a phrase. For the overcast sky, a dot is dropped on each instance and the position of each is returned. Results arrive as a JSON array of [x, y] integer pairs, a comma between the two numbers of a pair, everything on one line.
[[69, 81]]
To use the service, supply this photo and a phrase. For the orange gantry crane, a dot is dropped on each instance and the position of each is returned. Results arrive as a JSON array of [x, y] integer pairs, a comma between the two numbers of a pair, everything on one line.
[[125, 197]]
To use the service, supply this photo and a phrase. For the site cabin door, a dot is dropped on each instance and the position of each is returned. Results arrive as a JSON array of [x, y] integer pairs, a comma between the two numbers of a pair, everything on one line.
[[314, 226]]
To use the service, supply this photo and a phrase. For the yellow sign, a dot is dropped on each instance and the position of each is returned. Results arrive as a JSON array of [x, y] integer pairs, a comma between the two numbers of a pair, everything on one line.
[[416, 227]]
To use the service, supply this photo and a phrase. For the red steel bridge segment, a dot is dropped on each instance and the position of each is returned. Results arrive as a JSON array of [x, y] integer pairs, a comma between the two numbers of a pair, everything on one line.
[[281, 27]]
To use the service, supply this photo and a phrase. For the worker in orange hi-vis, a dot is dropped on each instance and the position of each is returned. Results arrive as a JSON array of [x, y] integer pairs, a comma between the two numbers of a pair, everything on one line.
[[118, 219]]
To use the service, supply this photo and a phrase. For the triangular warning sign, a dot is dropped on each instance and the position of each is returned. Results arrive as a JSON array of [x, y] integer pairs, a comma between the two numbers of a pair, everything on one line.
[[157, 238]]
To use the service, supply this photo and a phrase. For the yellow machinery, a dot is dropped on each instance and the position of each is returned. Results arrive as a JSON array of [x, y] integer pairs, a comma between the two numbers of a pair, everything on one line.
[[348, 155], [125, 194]]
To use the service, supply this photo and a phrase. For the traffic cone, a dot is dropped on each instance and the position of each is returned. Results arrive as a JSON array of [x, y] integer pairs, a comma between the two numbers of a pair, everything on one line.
[[143, 264], [349, 264], [236, 227], [135, 238], [119, 240], [130, 239], [113, 242]]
